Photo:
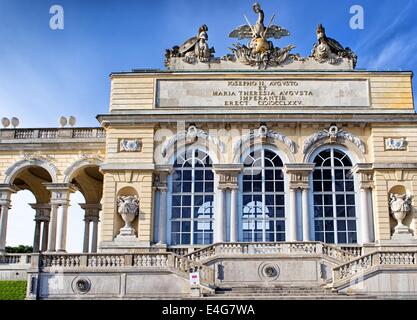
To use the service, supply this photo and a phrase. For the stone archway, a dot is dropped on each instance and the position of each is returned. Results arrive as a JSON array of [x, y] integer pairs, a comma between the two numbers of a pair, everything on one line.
[[30, 175], [85, 175]]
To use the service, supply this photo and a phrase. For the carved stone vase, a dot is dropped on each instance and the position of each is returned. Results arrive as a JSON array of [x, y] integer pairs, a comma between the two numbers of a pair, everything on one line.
[[128, 208], [400, 206]]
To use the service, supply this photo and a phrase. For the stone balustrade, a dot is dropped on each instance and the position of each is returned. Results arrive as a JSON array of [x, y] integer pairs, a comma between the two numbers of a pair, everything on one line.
[[364, 264], [13, 259], [93, 262], [354, 250], [289, 248], [52, 134]]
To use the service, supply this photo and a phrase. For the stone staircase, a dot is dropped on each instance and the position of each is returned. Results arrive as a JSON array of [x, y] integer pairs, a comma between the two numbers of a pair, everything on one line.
[[281, 293]]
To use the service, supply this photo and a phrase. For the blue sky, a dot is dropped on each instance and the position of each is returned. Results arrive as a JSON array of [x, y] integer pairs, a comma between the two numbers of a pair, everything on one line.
[[46, 74]]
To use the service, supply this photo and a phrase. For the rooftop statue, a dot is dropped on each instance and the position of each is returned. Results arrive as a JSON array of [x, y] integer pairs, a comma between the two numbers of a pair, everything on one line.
[[260, 52], [193, 50], [329, 50]]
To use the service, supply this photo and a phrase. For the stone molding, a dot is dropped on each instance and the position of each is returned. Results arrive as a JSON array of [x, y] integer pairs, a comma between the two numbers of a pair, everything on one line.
[[33, 160], [332, 135], [228, 175], [106, 167], [60, 192], [264, 135], [366, 175], [160, 181], [190, 136], [299, 174]]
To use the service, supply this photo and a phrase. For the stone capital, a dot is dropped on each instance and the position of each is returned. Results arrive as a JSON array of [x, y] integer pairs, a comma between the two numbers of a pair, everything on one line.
[[60, 192], [43, 211], [161, 173], [365, 171], [299, 174], [228, 175], [92, 211], [6, 191]]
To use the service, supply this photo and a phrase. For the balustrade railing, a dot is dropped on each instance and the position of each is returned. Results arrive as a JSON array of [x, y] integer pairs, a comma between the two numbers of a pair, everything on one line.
[[290, 248], [13, 259], [365, 263], [188, 266], [52, 134]]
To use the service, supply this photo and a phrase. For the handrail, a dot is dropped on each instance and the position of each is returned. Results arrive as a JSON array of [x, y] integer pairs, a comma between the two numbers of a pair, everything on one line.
[[291, 248], [347, 271], [52, 133], [15, 258], [152, 260]]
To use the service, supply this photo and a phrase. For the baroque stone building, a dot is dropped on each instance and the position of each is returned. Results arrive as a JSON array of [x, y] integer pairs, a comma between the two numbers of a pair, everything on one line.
[[259, 169]]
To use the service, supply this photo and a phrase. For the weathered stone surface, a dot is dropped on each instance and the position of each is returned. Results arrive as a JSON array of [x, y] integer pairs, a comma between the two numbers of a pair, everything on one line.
[[246, 92]]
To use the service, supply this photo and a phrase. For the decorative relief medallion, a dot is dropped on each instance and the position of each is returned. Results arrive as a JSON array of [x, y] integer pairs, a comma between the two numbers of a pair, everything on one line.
[[130, 145], [269, 272], [81, 285], [396, 144]]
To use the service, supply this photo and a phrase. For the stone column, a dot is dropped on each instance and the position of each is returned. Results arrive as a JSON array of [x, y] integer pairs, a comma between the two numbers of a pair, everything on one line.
[[86, 243], [228, 180], [52, 228], [91, 215], [293, 215], [41, 216], [306, 215], [234, 231], [6, 192], [365, 173], [299, 180], [3, 226], [37, 236], [60, 199], [220, 216], [161, 186], [62, 228], [366, 237], [45, 234], [94, 240]]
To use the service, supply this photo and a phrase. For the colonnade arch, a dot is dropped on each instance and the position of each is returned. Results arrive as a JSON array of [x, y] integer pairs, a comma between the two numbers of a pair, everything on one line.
[[52, 202]]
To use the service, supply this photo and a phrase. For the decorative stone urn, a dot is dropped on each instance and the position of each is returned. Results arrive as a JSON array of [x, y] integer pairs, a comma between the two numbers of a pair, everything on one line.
[[400, 206], [128, 208]]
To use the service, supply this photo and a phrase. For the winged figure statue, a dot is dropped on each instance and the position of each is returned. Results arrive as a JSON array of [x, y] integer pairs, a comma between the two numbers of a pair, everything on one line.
[[260, 52], [259, 29]]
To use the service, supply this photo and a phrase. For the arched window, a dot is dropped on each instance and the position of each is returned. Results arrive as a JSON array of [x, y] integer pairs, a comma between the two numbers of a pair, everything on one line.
[[263, 198], [192, 210], [334, 198]]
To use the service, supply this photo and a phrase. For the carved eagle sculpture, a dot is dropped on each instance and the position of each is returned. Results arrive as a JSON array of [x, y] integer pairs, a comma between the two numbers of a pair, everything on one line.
[[245, 32]]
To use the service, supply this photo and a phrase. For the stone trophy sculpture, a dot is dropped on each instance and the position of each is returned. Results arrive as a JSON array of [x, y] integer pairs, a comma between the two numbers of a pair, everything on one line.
[[400, 206], [128, 208], [194, 50], [329, 50], [260, 52]]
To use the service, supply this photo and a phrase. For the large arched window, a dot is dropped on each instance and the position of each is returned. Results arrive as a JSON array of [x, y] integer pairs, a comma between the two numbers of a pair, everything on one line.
[[192, 202], [263, 198], [334, 198]]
